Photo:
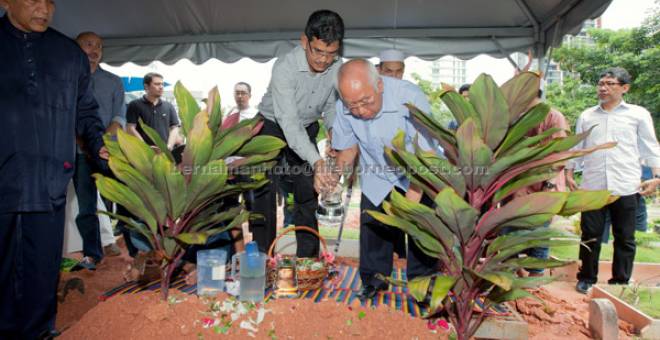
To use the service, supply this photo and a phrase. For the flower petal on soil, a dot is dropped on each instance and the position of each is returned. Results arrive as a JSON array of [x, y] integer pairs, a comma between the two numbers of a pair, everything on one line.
[[443, 323], [260, 315], [249, 326]]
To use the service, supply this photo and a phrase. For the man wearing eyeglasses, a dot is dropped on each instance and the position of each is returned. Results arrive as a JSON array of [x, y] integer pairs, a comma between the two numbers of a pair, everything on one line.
[[617, 169], [370, 113], [299, 94], [242, 95]]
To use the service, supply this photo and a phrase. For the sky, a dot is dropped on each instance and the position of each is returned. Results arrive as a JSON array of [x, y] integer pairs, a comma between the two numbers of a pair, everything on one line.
[[201, 78]]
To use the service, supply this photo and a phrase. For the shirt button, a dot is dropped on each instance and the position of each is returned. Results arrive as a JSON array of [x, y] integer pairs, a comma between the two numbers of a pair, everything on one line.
[[32, 75], [30, 60], [28, 45]]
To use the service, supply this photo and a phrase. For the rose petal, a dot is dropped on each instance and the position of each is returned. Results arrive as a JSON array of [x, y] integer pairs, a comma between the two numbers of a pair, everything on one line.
[[443, 323]]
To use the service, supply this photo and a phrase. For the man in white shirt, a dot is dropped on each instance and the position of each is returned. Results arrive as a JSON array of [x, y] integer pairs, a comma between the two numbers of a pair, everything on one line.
[[242, 95], [617, 169]]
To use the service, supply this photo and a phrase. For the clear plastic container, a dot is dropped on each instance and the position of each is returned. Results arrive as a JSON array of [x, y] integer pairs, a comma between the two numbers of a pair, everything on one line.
[[211, 271], [252, 273]]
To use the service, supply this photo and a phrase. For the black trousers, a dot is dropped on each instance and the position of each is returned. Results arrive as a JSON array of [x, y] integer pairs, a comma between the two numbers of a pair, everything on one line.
[[377, 245], [623, 213], [87, 220], [30, 257], [305, 198]]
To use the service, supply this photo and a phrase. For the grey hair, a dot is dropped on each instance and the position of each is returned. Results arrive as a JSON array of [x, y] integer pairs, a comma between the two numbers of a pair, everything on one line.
[[619, 73], [372, 73]]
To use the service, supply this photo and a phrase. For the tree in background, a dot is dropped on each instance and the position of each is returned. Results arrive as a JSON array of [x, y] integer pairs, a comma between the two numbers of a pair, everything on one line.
[[571, 97], [637, 50], [439, 111]]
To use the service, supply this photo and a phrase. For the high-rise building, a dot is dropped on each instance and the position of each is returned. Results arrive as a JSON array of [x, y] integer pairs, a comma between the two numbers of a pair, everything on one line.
[[583, 38], [554, 72], [449, 70]]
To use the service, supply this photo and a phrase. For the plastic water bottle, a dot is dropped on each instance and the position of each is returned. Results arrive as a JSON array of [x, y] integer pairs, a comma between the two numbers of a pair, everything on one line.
[[253, 274]]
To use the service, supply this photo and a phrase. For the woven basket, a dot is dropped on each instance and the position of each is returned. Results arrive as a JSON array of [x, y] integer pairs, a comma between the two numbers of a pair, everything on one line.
[[307, 279]]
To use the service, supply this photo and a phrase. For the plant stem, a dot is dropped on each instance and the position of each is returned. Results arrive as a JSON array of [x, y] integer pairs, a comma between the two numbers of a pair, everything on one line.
[[166, 275]]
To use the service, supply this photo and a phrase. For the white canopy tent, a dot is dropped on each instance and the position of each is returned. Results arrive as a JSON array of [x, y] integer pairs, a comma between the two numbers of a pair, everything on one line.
[[170, 30]]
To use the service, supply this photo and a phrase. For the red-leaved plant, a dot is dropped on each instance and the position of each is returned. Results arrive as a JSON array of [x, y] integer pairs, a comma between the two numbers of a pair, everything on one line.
[[181, 204], [486, 160]]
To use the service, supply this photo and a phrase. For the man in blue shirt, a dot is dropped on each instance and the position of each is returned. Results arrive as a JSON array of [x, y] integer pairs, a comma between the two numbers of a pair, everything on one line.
[[370, 113], [109, 94], [46, 100]]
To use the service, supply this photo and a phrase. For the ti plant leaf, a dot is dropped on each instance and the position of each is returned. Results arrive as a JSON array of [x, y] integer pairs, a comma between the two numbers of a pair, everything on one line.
[[155, 137], [457, 214], [200, 142], [581, 200], [188, 107], [529, 120], [490, 104], [120, 193], [214, 108], [526, 211], [419, 287], [441, 287], [519, 92], [138, 154], [113, 148], [474, 155], [459, 106]]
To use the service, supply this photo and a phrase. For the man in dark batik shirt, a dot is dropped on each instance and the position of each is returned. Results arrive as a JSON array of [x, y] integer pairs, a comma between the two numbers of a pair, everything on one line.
[[45, 101]]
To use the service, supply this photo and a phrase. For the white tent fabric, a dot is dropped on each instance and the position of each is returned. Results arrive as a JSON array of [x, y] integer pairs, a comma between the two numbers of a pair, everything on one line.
[[170, 30]]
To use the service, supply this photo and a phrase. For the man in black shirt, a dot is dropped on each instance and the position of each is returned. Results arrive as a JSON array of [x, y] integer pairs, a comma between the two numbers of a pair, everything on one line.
[[160, 116], [157, 114]]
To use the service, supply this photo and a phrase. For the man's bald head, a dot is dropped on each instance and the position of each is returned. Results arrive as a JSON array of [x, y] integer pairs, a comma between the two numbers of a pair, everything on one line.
[[92, 45], [360, 88], [356, 74]]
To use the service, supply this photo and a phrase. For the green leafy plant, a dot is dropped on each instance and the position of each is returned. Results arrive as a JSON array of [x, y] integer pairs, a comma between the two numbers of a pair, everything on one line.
[[182, 204], [487, 160]]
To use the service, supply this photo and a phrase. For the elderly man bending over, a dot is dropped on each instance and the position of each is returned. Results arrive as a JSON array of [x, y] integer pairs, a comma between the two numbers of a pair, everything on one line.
[[370, 113]]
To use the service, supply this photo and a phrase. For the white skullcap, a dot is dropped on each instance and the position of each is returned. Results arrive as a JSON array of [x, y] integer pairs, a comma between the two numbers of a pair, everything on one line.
[[392, 55]]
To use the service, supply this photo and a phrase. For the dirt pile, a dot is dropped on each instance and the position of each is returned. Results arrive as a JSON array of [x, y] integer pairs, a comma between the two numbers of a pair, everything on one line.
[[145, 316], [563, 313]]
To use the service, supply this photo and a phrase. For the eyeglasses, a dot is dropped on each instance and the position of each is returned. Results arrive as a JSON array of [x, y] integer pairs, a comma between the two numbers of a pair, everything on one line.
[[608, 83], [366, 101], [241, 93], [318, 54]]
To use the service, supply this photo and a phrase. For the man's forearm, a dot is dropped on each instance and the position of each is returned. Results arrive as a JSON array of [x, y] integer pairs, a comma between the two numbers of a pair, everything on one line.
[[414, 193], [346, 160], [171, 139], [130, 128], [113, 127]]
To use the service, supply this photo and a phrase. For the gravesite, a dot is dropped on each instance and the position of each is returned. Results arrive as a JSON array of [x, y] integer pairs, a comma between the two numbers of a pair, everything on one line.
[[394, 169]]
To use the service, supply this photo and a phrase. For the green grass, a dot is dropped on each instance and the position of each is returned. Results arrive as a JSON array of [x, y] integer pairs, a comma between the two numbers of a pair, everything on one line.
[[347, 234], [643, 254], [645, 299]]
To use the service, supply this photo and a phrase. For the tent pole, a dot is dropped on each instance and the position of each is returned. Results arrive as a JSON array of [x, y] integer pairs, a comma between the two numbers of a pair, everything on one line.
[[551, 49], [528, 13]]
